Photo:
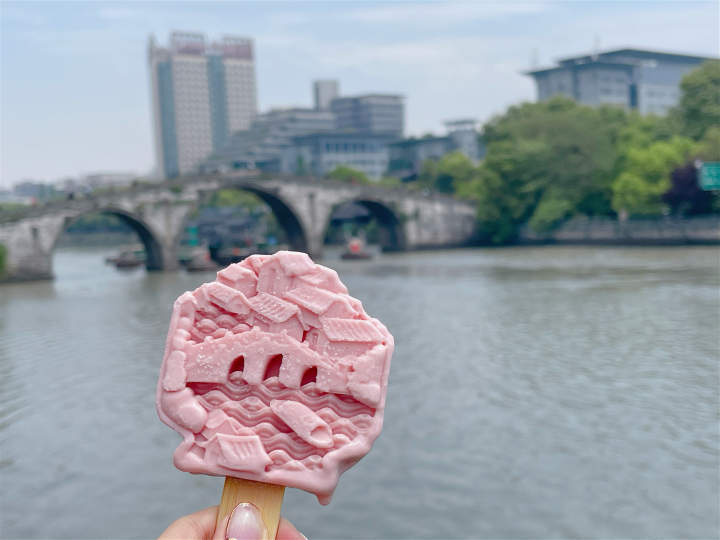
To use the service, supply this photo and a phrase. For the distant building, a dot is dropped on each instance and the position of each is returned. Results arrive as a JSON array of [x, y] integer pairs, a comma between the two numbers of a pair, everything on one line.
[[31, 190], [371, 113], [408, 155], [200, 94], [647, 81], [312, 141], [320, 153], [324, 91], [271, 133], [465, 138]]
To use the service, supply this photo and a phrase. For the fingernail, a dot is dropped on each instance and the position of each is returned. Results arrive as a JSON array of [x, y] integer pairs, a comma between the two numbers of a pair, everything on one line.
[[245, 523]]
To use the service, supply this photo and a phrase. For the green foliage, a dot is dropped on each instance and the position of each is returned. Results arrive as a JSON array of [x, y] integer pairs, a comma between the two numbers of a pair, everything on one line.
[[450, 174], [544, 163], [640, 131], [390, 181], [708, 149], [645, 175], [699, 107], [3, 259], [348, 175], [550, 212], [235, 198], [497, 213], [636, 195], [454, 170]]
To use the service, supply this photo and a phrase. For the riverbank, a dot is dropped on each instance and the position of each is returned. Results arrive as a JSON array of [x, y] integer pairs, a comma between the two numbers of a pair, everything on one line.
[[665, 231]]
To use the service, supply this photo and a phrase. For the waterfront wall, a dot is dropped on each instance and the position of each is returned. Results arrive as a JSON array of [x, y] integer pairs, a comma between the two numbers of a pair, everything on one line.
[[654, 231]]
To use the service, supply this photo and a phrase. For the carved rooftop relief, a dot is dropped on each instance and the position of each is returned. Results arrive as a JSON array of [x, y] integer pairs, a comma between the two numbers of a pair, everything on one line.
[[274, 373]]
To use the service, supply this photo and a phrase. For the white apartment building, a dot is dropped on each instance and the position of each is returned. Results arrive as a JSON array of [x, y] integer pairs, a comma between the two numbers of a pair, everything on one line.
[[200, 94]]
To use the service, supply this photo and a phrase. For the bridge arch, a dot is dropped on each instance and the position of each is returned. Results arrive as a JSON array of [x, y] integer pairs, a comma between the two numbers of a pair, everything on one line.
[[153, 248], [286, 215], [392, 235]]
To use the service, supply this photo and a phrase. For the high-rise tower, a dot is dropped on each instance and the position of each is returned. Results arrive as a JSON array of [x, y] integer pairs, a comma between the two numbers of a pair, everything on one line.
[[200, 94]]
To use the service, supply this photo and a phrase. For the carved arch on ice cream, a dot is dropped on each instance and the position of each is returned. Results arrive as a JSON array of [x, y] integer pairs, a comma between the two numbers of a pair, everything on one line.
[[274, 373]]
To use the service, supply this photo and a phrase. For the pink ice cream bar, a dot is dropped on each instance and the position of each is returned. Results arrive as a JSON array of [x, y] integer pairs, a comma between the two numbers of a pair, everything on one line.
[[274, 373]]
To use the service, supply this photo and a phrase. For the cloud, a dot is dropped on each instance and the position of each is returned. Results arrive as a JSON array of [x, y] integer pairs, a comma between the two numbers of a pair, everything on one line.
[[439, 13]]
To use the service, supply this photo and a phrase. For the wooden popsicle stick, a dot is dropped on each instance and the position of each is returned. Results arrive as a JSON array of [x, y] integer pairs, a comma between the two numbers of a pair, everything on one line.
[[267, 497]]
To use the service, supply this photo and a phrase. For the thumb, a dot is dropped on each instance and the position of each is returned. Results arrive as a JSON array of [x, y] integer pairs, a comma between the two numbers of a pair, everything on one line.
[[244, 523]]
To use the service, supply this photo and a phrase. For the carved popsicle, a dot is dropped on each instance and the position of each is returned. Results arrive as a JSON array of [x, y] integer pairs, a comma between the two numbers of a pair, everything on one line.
[[275, 375]]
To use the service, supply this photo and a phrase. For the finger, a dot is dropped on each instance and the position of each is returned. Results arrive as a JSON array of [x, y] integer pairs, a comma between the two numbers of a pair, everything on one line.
[[197, 526], [287, 531], [221, 529]]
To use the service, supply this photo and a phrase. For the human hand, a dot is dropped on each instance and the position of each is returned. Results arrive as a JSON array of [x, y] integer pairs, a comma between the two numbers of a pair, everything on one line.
[[244, 523]]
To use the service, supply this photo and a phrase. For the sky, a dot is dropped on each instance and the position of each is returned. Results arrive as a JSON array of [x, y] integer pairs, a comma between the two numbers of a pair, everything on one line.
[[75, 91]]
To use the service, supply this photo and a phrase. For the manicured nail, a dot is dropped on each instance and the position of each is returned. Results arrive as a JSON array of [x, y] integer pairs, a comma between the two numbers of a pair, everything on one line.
[[245, 523]]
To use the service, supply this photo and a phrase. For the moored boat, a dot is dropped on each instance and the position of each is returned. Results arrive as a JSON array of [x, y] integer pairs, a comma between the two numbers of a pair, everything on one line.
[[355, 250]]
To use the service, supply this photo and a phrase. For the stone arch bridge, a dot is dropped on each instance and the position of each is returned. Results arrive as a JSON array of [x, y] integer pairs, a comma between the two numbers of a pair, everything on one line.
[[303, 207]]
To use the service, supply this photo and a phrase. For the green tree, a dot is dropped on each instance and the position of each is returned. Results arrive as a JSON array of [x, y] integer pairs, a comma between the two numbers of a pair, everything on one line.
[[545, 162], [346, 174], [638, 189], [643, 130], [453, 171], [448, 174], [699, 107], [708, 149]]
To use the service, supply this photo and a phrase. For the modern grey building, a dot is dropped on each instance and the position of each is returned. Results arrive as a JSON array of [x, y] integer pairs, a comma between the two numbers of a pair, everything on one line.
[[408, 155], [324, 91], [200, 94], [371, 113], [319, 153], [647, 81], [271, 133]]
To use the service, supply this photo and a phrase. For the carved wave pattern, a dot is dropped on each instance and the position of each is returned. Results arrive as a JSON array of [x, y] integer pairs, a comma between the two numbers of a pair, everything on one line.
[[214, 321], [344, 406], [250, 405]]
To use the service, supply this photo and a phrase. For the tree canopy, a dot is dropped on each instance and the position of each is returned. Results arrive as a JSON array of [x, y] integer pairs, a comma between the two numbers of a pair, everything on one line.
[[545, 161], [699, 106]]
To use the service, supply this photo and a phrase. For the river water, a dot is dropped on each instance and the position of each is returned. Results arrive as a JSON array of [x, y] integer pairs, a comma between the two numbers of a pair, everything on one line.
[[535, 392]]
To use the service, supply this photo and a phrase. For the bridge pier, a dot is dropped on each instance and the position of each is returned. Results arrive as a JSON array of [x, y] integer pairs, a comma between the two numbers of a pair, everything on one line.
[[29, 245]]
